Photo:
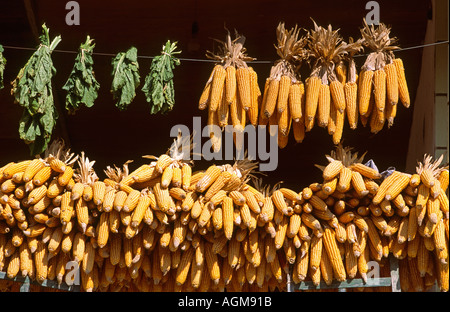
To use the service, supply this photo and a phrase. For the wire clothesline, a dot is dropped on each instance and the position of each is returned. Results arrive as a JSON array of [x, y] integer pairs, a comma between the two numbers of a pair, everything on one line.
[[213, 61]]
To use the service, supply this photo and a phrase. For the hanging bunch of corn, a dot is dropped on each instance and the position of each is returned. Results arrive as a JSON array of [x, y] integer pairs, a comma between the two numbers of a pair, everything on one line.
[[325, 96], [152, 229], [427, 226], [231, 92], [379, 213], [35, 239], [284, 92], [382, 79]]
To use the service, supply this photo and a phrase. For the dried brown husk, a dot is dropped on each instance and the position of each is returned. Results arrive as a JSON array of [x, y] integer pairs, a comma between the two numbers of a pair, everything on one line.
[[428, 164], [378, 40], [85, 172], [291, 50], [231, 52], [345, 155], [326, 48]]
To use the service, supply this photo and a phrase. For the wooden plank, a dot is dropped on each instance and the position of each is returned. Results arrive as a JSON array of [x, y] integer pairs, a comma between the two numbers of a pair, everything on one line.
[[395, 275], [352, 283], [46, 283]]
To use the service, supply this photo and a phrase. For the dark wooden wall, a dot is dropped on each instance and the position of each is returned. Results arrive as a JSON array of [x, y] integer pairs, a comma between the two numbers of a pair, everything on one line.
[[112, 137]]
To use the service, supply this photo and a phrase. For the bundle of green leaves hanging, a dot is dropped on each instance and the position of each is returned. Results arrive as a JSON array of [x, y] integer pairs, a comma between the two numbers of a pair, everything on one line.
[[126, 78], [283, 99], [32, 89], [158, 87], [382, 77], [2, 66], [81, 86]]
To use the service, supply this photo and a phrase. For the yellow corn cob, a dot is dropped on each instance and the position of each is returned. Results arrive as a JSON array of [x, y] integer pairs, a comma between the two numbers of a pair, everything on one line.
[[310, 221], [443, 179], [255, 98], [323, 108], [313, 86], [365, 90], [296, 94], [33, 167], [42, 176], [99, 189], [131, 201], [66, 207], [82, 213], [244, 86], [392, 88], [334, 253], [41, 262], [37, 194], [13, 265], [379, 89], [65, 177], [103, 230], [299, 131], [283, 93], [338, 95], [280, 234], [11, 170], [262, 119], [230, 84], [217, 86], [351, 100], [384, 186], [358, 184], [433, 210], [341, 72], [227, 209], [186, 174], [279, 202], [88, 258], [339, 127], [119, 200], [205, 96], [366, 171], [271, 98], [211, 174], [402, 84], [315, 253], [26, 260], [397, 186]]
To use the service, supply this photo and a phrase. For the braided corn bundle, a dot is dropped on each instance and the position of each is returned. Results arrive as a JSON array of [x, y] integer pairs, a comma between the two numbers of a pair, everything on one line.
[[222, 231], [325, 93], [382, 78], [283, 97], [231, 94]]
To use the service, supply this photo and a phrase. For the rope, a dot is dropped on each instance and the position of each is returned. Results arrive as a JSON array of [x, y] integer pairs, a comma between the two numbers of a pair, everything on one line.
[[213, 61]]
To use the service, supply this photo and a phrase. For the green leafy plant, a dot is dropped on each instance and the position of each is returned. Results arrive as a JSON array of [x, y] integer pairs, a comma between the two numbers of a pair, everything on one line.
[[32, 89], [82, 87], [2, 66], [125, 77], [158, 87]]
